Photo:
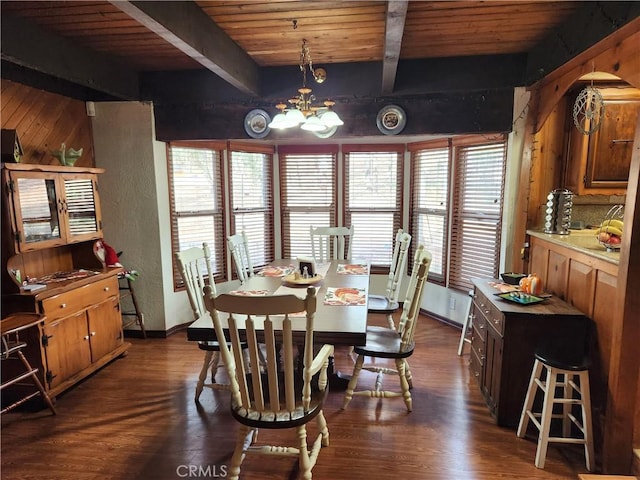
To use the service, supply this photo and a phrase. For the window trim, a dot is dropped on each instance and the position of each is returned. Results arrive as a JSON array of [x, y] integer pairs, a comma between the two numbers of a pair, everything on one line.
[[398, 211], [219, 147], [268, 151]]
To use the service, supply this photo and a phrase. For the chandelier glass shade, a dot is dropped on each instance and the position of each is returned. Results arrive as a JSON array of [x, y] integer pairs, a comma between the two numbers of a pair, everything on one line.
[[301, 110]]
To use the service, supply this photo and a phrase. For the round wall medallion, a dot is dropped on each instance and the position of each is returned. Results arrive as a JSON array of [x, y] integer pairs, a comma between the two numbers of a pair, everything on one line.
[[256, 123], [391, 120]]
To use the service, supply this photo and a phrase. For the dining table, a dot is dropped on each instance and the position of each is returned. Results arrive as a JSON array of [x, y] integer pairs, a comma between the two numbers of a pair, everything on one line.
[[342, 288]]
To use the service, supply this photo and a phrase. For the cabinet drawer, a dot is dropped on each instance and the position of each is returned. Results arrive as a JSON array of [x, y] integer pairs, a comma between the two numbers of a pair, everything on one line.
[[493, 316], [79, 299], [475, 367], [478, 342]]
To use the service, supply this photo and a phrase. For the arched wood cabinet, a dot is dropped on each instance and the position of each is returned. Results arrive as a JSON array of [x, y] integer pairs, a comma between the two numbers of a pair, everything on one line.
[[50, 220]]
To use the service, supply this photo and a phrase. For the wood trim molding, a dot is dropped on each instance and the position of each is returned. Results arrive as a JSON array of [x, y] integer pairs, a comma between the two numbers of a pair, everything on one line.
[[617, 54]]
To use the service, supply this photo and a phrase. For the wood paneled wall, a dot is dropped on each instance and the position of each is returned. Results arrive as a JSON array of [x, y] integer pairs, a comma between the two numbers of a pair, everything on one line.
[[44, 121]]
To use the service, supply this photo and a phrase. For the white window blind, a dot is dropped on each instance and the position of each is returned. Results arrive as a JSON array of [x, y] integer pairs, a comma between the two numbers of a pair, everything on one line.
[[251, 191], [308, 195], [430, 205], [373, 205], [195, 187], [477, 212]]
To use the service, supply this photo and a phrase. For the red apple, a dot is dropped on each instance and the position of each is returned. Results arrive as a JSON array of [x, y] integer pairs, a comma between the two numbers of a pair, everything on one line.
[[614, 240]]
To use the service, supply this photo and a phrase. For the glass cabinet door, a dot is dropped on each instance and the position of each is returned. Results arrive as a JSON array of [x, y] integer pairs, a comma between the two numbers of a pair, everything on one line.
[[81, 207], [52, 209], [37, 210]]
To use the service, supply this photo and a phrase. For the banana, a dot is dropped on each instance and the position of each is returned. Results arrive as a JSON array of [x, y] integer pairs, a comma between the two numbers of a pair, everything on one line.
[[611, 230], [613, 222]]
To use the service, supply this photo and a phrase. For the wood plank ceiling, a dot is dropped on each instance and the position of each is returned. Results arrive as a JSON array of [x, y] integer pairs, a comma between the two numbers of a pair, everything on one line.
[[270, 32]]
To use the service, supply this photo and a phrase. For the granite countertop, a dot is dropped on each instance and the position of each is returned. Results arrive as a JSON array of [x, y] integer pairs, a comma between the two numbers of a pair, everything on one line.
[[584, 241]]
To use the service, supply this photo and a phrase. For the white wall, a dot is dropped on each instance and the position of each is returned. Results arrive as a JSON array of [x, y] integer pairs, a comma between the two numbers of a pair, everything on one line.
[[135, 206]]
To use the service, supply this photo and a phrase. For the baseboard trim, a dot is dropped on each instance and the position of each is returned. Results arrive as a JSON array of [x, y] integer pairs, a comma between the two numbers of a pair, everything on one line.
[[156, 333]]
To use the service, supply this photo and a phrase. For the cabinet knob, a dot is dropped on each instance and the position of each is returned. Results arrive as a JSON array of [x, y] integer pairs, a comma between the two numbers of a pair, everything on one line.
[[93, 334], [106, 289], [63, 305], [481, 327], [86, 337], [476, 374]]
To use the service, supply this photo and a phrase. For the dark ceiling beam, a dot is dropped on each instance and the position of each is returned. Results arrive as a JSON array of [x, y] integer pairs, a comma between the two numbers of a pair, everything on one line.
[[25, 44], [190, 30], [593, 22], [349, 82], [393, 32]]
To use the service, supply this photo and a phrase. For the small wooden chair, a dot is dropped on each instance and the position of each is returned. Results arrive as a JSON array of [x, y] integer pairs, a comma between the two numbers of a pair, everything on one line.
[[290, 392], [331, 243], [388, 303], [239, 248], [195, 267], [396, 344], [11, 350]]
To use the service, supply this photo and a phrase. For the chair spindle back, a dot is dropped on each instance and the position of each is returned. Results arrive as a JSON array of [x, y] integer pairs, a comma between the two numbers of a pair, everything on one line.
[[271, 317], [331, 243], [195, 267], [413, 299]]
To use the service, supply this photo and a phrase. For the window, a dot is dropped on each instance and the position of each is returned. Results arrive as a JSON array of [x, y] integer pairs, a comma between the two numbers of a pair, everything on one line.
[[477, 212], [308, 195], [251, 199], [195, 195], [373, 199], [430, 203], [459, 225]]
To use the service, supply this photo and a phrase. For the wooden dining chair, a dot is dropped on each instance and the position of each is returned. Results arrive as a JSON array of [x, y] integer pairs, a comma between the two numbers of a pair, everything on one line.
[[388, 303], [239, 248], [396, 344], [289, 393], [331, 243], [21, 371], [195, 267]]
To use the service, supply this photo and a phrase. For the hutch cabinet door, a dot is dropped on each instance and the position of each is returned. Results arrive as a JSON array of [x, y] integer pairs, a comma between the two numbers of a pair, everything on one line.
[[66, 348], [105, 328], [50, 209], [36, 209], [81, 207]]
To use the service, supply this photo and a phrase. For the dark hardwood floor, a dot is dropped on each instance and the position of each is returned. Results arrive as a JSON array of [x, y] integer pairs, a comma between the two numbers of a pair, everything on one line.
[[136, 419]]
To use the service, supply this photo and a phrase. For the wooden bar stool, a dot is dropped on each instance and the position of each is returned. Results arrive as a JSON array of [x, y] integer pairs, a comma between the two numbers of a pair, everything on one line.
[[11, 349], [566, 383], [131, 310]]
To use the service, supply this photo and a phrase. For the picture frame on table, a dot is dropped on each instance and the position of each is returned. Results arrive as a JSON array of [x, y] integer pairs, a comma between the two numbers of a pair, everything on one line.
[[307, 265]]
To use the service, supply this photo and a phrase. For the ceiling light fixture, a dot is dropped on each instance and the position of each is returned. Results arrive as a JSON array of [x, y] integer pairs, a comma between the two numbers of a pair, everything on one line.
[[302, 111]]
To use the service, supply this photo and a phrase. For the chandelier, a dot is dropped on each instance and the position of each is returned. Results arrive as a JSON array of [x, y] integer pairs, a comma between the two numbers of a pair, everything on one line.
[[302, 111]]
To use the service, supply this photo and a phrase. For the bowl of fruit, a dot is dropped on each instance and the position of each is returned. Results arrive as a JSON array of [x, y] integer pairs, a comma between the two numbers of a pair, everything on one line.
[[609, 232]]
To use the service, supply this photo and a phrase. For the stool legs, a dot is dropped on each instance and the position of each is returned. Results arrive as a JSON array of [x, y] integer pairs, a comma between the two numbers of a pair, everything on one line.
[[32, 373], [564, 380], [464, 336]]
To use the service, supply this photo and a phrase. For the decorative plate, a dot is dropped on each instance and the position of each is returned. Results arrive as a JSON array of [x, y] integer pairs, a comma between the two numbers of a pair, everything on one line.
[[329, 132], [256, 123], [391, 120], [520, 298]]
